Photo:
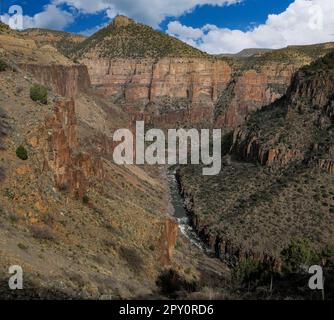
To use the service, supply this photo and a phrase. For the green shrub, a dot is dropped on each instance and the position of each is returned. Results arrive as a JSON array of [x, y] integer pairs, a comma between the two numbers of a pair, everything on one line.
[[298, 255], [9, 194], [85, 199], [22, 246], [22, 153], [248, 271], [3, 65], [39, 93]]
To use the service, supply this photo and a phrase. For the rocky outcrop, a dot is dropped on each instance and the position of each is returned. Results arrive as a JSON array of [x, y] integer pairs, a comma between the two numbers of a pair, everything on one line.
[[72, 170], [65, 80], [168, 85], [247, 146], [327, 165], [304, 91], [251, 91], [167, 240]]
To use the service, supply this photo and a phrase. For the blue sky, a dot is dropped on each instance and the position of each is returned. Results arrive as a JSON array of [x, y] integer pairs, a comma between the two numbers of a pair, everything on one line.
[[239, 16], [212, 25]]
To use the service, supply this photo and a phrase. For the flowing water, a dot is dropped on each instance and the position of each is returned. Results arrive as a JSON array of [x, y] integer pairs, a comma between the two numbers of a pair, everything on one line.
[[180, 213]]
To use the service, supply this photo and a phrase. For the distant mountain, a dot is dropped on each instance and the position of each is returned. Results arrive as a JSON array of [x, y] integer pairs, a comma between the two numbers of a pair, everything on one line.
[[246, 53]]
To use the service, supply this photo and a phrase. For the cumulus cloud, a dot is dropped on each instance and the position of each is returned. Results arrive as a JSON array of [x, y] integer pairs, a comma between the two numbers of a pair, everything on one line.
[[151, 12], [303, 22], [51, 17]]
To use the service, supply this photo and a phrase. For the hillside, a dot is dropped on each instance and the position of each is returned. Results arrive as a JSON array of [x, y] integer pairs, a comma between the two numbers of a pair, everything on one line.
[[63, 41], [124, 38], [277, 182], [302, 55], [246, 53], [80, 226]]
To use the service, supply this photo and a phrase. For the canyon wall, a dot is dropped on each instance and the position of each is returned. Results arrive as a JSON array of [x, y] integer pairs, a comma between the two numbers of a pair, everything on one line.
[[188, 90], [252, 90], [165, 89], [65, 80], [309, 97]]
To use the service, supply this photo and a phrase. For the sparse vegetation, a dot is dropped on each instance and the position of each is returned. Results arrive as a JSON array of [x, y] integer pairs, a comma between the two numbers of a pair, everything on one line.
[[3, 65], [22, 246], [39, 93], [42, 232], [85, 199], [135, 41], [22, 153], [323, 64], [9, 194], [133, 259], [298, 256], [249, 271]]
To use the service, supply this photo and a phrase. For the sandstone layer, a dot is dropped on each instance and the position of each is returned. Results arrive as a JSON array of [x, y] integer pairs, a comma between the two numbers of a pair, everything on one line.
[[169, 85]]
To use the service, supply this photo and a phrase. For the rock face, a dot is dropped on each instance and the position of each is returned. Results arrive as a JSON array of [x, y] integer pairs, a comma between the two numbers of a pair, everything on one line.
[[189, 90], [247, 146], [121, 21], [152, 73], [167, 241], [170, 84], [308, 105], [72, 171], [251, 91], [64, 80]]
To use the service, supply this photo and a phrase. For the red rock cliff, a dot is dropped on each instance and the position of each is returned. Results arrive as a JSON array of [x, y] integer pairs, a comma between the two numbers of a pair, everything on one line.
[[65, 80], [72, 170], [167, 85]]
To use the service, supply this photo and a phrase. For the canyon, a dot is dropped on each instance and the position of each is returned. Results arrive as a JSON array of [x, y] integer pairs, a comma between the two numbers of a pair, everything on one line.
[[103, 224], [280, 159], [187, 88]]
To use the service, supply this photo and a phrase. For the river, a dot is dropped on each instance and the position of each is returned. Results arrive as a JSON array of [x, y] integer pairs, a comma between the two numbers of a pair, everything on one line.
[[181, 214]]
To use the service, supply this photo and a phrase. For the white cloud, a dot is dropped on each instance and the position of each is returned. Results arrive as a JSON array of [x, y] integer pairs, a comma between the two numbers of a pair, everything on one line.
[[90, 31], [303, 22], [151, 12], [50, 18]]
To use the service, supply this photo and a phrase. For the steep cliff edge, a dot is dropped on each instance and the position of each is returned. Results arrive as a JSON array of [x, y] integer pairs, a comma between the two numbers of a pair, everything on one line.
[[161, 87], [65, 80], [155, 76], [260, 80], [148, 71], [45, 64], [279, 185], [296, 128]]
